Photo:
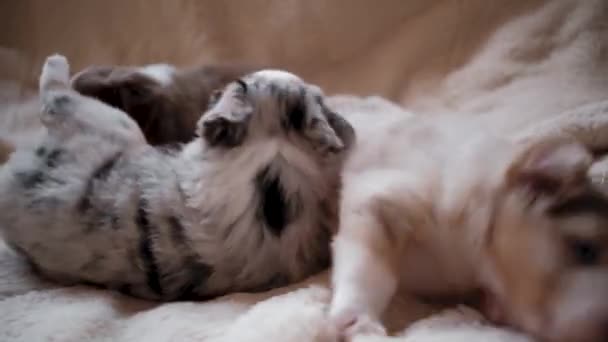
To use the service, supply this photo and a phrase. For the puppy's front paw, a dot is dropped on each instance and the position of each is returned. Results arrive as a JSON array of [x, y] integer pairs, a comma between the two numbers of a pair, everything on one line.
[[351, 323], [365, 325], [460, 315]]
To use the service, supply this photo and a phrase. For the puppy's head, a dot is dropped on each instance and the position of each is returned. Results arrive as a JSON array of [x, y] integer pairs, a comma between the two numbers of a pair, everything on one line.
[[295, 145], [164, 101], [273, 104], [548, 246]]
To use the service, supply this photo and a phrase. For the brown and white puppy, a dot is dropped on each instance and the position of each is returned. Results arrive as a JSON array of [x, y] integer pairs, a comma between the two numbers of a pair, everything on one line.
[[166, 102], [436, 207]]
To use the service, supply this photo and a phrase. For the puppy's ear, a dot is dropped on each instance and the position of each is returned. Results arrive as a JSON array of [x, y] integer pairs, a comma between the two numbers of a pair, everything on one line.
[[343, 128], [315, 124], [552, 167], [121, 87], [137, 90], [323, 136], [225, 123], [97, 81], [140, 96]]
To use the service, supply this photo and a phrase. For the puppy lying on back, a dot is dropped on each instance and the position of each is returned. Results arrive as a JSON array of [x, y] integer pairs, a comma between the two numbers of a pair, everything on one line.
[[437, 208], [166, 102], [440, 209], [246, 206]]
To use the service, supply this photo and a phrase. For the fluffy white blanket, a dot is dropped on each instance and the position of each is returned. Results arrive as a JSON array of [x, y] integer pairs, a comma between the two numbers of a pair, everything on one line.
[[528, 67]]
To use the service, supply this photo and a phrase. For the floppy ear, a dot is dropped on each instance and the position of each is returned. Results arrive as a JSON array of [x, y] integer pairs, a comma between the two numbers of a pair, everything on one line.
[[98, 82], [137, 90], [316, 125], [120, 87], [323, 136], [140, 96], [343, 128], [552, 167], [225, 123]]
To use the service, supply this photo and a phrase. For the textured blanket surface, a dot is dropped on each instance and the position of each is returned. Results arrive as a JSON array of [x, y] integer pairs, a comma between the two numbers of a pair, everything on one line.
[[528, 68]]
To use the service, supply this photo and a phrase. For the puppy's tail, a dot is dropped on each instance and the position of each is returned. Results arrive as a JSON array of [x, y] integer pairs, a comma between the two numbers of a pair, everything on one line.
[[55, 74]]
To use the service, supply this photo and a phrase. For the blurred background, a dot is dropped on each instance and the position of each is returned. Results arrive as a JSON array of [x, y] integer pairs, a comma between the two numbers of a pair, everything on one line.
[[458, 55], [512, 63]]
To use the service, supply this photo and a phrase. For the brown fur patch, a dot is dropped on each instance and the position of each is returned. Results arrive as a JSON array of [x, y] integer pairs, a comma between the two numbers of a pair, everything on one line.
[[538, 241], [167, 114]]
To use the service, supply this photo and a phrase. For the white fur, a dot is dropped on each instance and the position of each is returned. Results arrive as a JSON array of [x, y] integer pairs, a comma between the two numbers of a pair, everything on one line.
[[278, 75], [419, 198], [162, 73]]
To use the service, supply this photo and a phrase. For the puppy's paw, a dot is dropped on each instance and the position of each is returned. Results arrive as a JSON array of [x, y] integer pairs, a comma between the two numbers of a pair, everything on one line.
[[55, 73], [456, 316], [365, 325], [463, 315], [349, 324]]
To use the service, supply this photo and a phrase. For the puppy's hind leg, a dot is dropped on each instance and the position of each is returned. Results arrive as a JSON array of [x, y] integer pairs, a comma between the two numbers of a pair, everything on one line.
[[65, 112], [365, 275], [55, 74], [377, 214], [57, 100]]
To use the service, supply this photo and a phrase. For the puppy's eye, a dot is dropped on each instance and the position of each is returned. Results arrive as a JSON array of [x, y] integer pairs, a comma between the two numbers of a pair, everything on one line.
[[585, 253]]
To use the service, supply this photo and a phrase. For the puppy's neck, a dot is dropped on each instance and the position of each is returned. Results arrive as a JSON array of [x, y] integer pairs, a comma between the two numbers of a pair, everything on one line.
[[466, 207]]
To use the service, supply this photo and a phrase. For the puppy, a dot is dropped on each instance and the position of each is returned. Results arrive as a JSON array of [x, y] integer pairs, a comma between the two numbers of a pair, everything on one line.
[[247, 206], [437, 208], [166, 102]]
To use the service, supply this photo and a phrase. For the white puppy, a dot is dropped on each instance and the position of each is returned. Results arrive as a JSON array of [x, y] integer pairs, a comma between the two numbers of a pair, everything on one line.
[[436, 207]]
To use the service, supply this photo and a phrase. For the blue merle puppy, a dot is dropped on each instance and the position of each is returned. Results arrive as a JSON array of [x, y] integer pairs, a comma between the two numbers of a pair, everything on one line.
[[248, 205]]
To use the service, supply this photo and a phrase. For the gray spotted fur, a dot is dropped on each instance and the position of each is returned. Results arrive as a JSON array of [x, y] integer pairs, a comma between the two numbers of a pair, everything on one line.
[[94, 203]]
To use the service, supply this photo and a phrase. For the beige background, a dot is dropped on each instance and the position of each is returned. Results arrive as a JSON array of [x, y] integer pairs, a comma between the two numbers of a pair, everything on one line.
[[509, 62], [458, 55]]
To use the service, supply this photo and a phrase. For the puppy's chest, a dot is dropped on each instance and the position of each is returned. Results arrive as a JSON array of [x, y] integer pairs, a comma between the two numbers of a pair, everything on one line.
[[441, 258], [435, 270]]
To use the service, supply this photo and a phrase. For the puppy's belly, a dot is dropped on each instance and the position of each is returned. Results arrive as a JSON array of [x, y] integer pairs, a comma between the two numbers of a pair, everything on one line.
[[429, 273]]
